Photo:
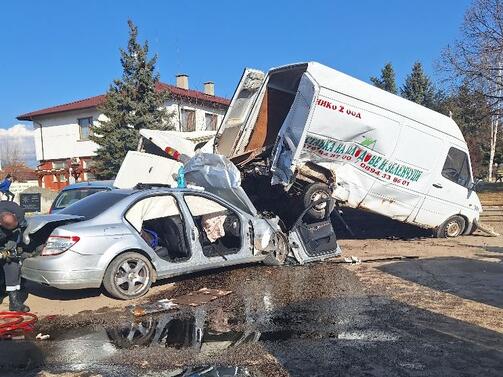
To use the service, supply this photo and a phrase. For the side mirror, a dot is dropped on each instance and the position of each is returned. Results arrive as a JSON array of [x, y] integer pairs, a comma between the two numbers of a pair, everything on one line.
[[473, 185]]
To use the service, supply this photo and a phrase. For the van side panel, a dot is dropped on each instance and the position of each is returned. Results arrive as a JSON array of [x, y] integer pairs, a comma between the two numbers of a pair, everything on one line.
[[358, 141]]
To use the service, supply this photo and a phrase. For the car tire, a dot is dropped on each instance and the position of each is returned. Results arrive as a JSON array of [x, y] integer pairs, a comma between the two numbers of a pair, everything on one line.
[[454, 226], [280, 253], [128, 276], [313, 192]]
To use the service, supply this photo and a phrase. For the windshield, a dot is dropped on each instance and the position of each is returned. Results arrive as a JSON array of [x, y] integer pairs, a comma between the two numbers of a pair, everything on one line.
[[68, 197], [93, 205]]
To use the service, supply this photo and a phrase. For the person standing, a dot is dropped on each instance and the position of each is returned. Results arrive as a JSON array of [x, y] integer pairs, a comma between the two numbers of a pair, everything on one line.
[[12, 224], [5, 187]]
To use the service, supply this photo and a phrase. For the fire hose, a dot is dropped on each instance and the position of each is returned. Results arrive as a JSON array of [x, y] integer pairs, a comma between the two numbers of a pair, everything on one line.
[[16, 323]]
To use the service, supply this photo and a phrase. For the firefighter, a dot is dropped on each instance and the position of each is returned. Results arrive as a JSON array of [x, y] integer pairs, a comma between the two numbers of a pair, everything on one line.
[[12, 224]]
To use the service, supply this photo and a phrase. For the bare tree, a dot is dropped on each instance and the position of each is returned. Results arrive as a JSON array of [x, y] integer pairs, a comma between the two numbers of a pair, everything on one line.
[[477, 59], [11, 153]]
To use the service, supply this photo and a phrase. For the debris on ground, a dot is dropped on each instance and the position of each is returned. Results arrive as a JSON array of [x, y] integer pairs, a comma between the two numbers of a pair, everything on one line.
[[487, 229], [150, 308], [353, 260], [41, 336], [200, 297]]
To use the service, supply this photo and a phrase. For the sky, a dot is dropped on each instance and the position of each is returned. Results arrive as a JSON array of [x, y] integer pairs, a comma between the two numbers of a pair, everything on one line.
[[53, 52]]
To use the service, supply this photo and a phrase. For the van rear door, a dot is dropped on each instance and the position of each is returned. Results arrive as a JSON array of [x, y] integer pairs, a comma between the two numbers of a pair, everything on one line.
[[238, 112]]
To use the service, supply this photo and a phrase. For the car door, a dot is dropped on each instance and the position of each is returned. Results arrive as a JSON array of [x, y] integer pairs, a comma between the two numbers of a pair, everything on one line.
[[223, 231], [449, 192], [237, 114], [312, 240]]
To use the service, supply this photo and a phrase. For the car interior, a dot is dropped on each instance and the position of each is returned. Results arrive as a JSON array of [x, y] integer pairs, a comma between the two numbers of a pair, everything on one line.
[[219, 228], [160, 223]]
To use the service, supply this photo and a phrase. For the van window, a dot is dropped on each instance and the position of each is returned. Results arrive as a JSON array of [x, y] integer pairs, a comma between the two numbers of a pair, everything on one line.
[[456, 167]]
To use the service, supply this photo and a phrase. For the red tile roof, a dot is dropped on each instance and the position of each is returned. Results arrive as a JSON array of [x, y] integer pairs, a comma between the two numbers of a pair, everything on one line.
[[95, 101], [19, 172]]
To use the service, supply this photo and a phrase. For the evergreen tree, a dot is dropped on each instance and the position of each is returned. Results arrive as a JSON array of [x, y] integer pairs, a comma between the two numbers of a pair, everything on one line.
[[418, 88], [131, 103], [387, 80], [472, 112]]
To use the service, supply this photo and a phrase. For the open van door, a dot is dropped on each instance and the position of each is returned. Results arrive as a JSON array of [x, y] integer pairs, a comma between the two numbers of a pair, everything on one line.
[[238, 112]]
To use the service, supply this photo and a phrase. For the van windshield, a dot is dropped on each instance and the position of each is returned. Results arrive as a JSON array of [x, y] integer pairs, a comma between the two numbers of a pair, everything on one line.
[[93, 205], [456, 167]]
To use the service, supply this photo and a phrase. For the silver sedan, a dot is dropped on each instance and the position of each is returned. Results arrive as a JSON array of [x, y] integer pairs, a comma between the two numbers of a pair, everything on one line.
[[124, 240]]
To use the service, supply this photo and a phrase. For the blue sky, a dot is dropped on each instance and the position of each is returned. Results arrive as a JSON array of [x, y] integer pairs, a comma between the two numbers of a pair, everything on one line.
[[54, 52]]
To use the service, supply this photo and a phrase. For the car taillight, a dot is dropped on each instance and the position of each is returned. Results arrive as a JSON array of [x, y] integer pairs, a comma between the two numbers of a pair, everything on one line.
[[59, 244]]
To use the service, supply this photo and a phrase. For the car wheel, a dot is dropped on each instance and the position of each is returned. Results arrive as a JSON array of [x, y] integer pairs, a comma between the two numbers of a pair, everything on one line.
[[278, 256], [128, 276], [452, 227], [314, 192], [137, 333]]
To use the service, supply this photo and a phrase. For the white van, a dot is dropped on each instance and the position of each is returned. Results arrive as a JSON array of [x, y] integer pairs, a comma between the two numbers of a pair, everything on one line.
[[317, 132]]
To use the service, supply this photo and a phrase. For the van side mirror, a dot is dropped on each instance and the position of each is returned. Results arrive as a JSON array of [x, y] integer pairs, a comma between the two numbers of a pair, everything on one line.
[[474, 185]]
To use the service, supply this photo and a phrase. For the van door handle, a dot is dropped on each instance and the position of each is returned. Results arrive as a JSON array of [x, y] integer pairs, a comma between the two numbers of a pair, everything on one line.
[[437, 185], [193, 234]]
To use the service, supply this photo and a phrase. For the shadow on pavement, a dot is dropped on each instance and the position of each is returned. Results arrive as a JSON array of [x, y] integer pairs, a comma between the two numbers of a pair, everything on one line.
[[494, 249], [60, 294], [367, 225], [387, 338], [471, 279]]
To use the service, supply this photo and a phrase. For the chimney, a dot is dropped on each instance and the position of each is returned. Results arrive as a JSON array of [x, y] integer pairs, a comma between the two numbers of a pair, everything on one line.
[[182, 81], [209, 88]]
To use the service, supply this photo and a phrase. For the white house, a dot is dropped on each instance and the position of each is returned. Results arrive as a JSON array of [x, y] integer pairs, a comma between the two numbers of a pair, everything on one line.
[[62, 132]]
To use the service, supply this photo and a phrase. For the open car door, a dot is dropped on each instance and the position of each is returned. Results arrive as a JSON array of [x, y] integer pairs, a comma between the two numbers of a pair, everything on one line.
[[312, 240], [237, 114]]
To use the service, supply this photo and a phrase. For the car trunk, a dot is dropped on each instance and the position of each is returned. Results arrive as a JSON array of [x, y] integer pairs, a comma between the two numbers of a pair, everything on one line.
[[40, 228]]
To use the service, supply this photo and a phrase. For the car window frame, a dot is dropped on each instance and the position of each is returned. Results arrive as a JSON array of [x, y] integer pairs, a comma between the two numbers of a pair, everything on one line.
[[228, 206], [180, 209]]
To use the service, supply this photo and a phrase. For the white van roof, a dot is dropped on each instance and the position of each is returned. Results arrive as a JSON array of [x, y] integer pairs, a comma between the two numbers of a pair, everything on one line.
[[339, 82]]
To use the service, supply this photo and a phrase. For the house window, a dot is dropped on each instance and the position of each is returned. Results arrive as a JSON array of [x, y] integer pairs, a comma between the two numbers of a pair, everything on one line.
[[188, 120], [210, 121], [85, 127], [59, 165]]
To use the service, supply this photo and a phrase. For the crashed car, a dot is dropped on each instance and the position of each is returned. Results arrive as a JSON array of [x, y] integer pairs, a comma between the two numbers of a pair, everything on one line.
[[126, 239]]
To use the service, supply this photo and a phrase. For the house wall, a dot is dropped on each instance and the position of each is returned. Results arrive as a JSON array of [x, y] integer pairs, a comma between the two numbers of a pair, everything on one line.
[[57, 138], [176, 107]]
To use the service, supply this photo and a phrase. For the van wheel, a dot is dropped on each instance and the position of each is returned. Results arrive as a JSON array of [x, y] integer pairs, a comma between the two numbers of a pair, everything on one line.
[[314, 192], [128, 276], [452, 227], [278, 256]]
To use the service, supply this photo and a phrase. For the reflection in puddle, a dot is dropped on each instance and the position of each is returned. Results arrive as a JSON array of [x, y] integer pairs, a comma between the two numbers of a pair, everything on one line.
[[194, 331]]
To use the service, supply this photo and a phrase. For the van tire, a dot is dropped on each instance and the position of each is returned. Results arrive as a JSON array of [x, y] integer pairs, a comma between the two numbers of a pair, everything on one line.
[[122, 268], [314, 192], [454, 226]]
